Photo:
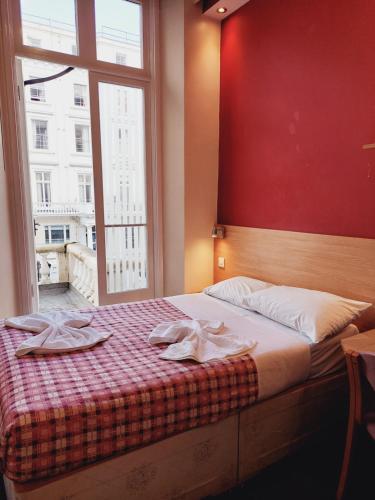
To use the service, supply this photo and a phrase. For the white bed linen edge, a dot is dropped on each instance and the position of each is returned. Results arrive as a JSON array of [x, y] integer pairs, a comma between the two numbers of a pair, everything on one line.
[[282, 358]]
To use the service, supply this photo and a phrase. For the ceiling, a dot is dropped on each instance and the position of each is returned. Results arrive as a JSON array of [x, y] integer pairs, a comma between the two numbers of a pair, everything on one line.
[[210, 7]]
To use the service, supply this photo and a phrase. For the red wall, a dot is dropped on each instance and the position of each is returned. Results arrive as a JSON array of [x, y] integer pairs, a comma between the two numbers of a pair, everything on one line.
[[297, 104]]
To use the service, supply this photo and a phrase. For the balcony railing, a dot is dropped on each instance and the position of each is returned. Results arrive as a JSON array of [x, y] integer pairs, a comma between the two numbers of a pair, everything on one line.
[[76, 209], [71, 263], [76, 264]]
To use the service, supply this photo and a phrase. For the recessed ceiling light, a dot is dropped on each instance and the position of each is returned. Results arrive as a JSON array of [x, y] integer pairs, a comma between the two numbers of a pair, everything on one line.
[[222, 10]]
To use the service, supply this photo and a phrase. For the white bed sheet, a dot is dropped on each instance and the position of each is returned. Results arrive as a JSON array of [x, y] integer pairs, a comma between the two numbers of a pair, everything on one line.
[[327, 357], [283, 357]]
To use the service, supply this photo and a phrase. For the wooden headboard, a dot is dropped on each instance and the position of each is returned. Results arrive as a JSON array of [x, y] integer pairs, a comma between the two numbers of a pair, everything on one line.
[[337, 264]]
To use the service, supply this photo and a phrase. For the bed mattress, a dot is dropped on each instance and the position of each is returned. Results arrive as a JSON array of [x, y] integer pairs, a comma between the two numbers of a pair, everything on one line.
[[327, 357]]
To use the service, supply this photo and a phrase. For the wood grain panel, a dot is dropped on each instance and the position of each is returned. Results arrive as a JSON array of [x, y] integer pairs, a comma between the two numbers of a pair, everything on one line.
[[336, 264]]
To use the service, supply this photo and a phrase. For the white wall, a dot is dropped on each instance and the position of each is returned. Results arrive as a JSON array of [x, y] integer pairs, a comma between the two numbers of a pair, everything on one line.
[[190, 53], [7, 289]]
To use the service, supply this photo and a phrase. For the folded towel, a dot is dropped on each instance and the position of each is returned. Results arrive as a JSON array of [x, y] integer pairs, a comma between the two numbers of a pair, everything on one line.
[[199, 340], [58, 331]]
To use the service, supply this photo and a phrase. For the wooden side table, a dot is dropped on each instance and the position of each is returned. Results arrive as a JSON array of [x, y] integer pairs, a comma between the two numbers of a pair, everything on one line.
[[364, 342]]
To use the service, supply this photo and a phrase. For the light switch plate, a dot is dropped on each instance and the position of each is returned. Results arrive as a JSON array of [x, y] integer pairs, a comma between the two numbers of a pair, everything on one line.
[[221, 262]]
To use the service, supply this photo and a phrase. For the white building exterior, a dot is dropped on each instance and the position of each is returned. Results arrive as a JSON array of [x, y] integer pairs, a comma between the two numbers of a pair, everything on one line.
[[59, 141]]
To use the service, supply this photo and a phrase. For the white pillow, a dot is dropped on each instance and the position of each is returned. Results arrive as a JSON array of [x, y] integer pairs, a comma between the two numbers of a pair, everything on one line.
[[313, 313], [234, 290]]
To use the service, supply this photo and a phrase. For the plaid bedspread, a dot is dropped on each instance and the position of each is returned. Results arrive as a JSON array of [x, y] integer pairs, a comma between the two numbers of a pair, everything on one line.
[[62, 411]]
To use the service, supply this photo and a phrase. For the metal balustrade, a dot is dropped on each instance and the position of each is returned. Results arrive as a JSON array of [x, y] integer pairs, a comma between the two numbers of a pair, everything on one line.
[[63, 209]]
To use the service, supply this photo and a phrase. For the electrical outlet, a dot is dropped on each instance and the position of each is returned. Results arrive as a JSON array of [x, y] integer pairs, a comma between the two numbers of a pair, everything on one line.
[[221, 262]]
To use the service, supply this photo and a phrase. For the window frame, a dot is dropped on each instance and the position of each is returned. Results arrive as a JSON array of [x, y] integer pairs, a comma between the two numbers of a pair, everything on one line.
[[84, 185], [48, 229], [44, 182], [35, 135], [86, 41], [83, 96], [85, 139], [41, 88], [12, 101]]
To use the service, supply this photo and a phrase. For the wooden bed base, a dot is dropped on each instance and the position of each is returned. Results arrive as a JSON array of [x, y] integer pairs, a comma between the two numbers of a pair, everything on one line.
[[207, 460]]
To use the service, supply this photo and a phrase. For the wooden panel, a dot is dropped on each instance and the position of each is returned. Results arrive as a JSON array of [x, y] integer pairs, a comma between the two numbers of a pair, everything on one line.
[[278, 426], [336, 264]]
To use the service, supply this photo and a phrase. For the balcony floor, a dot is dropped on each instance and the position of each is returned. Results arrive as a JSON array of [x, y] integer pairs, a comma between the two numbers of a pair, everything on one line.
[[60, 297]]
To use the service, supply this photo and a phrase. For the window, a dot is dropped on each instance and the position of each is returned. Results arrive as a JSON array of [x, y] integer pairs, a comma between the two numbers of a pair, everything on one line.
[[82, 138], [84, 187], [93, 235], [43, 187], [37, 91], [57, 234], [34, 42], [55, 20], [124, 194], [40, 134], [121, 58], [80, 95], [119, 25]]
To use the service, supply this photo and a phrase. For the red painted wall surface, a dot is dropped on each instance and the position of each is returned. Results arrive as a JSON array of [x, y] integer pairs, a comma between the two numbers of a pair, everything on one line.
[[297, 104]]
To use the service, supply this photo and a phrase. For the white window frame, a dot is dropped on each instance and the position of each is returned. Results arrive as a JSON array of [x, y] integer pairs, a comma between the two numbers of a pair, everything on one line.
[[34, 42], [39, 138], [39, 89], [49, 228], [121, 58], [82, 140], [84, 182], [80, 95], [45, 183], [12, 46]]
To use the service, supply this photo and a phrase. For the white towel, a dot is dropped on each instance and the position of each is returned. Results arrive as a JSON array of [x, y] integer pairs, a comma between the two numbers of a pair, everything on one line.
[[58, 331], [199, 340]]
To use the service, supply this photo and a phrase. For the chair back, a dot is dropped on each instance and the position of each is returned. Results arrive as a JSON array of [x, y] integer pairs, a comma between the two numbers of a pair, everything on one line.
[[367, 375]]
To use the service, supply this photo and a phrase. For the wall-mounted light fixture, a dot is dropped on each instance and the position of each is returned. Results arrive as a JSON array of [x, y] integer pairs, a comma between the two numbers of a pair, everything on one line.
[[218, 231]]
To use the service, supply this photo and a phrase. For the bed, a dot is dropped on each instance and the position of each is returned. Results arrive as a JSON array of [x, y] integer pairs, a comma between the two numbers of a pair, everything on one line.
[[118, 422]]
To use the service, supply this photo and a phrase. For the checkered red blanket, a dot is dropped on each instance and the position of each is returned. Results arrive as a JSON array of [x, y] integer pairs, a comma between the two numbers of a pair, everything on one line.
[[62, 411]]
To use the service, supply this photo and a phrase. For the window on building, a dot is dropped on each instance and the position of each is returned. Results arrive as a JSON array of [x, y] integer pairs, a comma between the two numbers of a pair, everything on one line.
[[37, 91], [43, 187], [57, 234], [93, 234], [80, 95], [82, 138], [34, 42], [121, 58], [40, 134], [84, 187]]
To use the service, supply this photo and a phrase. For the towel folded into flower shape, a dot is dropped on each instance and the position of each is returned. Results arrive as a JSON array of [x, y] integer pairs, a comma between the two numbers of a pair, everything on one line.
[[199, 340], [57, 331]]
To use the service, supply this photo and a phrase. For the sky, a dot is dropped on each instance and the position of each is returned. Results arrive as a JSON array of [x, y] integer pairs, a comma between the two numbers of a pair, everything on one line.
[[118, 14]]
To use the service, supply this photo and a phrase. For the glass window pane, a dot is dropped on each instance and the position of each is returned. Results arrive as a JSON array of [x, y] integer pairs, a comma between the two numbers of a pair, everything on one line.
[[50, 24], [123, 161], [119, 32], [126, 258]]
